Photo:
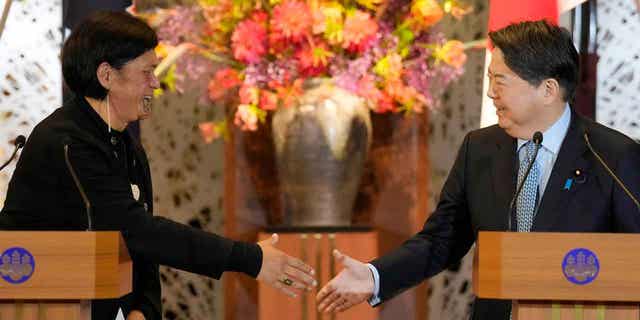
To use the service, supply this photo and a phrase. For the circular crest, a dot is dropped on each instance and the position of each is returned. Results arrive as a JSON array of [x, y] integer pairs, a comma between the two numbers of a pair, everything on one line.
[[16, 265], [580, 266]]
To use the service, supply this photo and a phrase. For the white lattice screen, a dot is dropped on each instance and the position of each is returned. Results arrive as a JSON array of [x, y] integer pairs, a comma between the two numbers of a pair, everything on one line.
[[30, 76]]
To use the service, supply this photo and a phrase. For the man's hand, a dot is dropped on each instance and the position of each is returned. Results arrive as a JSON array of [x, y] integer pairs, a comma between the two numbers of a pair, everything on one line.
[[353, 285], [285, 273], [135, 315]]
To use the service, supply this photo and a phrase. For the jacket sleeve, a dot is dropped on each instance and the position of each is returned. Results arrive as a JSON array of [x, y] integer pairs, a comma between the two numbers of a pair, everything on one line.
[[444, 239], [147, 290], [150, 238]]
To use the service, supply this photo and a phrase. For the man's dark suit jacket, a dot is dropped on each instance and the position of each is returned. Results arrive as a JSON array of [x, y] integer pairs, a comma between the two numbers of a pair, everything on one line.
[[42, 196], [480, 186]]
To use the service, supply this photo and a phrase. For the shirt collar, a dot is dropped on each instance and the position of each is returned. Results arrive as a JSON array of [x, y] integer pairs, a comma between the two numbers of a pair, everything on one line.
[[553, 137]]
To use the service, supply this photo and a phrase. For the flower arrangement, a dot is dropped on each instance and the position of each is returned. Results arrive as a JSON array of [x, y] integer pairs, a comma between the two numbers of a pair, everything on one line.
[[385, 51]]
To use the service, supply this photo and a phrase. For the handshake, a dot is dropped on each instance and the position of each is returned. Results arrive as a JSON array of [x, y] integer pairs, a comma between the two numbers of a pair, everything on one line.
[[353, 285]]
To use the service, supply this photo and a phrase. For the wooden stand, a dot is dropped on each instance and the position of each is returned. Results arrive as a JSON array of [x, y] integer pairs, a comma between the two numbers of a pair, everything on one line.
[[70, 269], [528, 268], [315, 249]]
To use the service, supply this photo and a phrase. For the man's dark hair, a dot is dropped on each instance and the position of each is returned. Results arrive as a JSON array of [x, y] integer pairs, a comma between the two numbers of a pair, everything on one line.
[[105, 36], [538, 50]]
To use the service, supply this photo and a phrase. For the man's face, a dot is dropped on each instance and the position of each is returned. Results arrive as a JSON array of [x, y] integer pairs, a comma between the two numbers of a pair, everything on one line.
[[518, 103], [133, 86]]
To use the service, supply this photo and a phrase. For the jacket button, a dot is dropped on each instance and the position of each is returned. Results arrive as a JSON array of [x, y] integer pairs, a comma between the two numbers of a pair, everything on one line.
[[146, 207], [114, 141]]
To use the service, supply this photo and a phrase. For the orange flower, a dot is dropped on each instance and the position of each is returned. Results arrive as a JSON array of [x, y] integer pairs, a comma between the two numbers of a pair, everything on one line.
[[313, 60], [288, 95], [384, 104], [407, 96], [425, 13], [268, 100], [452, 53], [223, 80]]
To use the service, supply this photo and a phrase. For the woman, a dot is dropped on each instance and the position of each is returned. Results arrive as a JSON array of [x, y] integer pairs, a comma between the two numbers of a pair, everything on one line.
[[108, 64]]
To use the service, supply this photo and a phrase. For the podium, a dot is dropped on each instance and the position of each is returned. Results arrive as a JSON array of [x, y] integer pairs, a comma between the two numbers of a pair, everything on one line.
[[54, 274], [315, 249], [560, 276]]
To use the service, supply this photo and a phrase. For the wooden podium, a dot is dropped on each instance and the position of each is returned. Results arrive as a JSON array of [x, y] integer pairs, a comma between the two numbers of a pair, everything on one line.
[[560, 276], [67, 269], [315, 249]]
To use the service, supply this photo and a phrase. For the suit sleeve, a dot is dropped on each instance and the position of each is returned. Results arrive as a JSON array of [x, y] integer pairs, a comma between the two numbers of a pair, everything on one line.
[[147, 290], [444, 239]]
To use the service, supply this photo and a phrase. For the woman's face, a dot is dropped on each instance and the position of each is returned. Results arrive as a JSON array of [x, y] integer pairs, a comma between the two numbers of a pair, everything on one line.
[[131, 89]]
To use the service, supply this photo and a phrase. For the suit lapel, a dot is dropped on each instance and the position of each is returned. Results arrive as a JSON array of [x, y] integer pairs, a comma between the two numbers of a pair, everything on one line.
[[570, 157], [503, 173]]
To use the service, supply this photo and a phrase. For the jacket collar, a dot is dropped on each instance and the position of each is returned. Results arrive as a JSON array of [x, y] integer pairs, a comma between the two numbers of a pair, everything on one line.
[[571, 156]]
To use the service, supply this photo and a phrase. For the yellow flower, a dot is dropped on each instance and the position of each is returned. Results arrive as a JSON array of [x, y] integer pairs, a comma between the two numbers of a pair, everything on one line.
[[425, 13], [457, 9], [452, 53], [389, 67], [333, 24], [161, 50], [369, 4]]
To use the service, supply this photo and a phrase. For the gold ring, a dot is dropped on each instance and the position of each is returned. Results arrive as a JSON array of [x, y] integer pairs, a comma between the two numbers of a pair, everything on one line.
[[287, 281]]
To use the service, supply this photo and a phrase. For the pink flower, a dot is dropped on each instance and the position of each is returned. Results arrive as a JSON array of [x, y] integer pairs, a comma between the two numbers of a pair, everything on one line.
[[249, 95], [366, 88], [268, 100], [223, 80], [292, 20], [209, 131], [249, 41], [246, 118], [378, 100], [359, 31]]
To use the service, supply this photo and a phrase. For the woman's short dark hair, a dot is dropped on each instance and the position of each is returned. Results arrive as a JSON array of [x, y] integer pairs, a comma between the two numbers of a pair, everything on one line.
[[105, 36], [538, 50]]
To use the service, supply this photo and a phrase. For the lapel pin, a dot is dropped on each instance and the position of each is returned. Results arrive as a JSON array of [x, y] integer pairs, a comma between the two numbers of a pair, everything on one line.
[[568, 183], [579, 176]]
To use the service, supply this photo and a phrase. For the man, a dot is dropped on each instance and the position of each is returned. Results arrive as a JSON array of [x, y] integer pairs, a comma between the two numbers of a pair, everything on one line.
[[533, 75]]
